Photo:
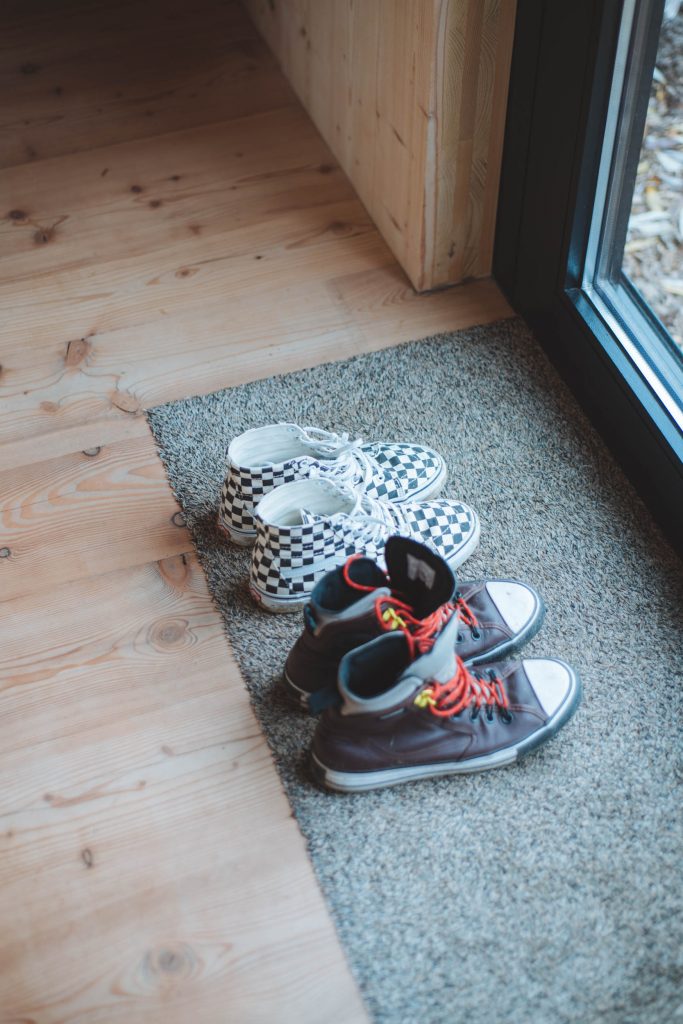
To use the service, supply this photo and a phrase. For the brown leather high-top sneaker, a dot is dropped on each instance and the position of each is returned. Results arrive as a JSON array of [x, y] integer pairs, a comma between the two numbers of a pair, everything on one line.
[[417, 595], [402, 718]]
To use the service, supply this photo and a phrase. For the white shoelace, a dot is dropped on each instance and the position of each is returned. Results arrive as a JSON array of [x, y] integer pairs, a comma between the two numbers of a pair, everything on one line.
[[374, 521], [351, 465]]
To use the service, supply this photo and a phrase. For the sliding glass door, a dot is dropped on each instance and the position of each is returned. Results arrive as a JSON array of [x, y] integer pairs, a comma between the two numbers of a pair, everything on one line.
[[590, 229]]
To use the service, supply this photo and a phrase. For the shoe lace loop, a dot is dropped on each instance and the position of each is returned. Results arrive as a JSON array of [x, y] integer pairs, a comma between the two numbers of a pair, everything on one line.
[[463, 690], [465, 613], [351, 464], [371, 522], [393, 613]]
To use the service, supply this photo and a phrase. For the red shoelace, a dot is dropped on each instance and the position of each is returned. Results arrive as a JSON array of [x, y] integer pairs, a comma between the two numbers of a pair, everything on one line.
[[462, 691], [393, 613]]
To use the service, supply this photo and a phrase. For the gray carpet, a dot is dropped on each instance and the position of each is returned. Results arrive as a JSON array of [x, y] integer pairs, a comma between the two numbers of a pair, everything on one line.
[[548, 892]]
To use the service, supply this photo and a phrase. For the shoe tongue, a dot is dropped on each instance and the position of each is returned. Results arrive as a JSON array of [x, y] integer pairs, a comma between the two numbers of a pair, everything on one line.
[[419, 575], [310, 517]]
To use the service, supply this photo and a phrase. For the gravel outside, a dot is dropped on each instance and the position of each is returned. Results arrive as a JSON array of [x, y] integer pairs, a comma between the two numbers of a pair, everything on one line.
[[653, 257]]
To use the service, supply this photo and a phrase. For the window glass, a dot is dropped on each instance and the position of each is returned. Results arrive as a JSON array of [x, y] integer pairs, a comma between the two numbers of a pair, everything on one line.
[[653, 253]]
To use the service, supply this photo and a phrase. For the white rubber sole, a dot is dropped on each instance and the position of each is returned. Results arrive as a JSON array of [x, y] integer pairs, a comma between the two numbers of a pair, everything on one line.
[[278, 605], [360, 782]]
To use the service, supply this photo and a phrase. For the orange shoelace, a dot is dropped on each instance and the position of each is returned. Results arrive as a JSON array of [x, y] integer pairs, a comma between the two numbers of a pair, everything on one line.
[[393, 613], [462, 691], [420, 633]]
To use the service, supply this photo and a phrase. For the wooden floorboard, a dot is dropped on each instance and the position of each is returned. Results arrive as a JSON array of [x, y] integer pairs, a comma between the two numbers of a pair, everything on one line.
[[86, 513], [78, 76], [150, 869], [170, 223], [151, 194]]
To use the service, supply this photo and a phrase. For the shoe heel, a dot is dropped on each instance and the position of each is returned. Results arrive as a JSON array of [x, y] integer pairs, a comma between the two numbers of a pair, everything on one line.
[[242, 539], [277, 605], [317, 774], [299, 696]]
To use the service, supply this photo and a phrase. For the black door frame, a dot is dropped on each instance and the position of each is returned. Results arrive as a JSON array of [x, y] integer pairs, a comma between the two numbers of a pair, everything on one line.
[[560, 86]]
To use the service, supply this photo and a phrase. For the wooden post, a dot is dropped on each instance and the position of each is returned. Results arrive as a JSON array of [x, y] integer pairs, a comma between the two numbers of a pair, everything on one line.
[[410, 95]]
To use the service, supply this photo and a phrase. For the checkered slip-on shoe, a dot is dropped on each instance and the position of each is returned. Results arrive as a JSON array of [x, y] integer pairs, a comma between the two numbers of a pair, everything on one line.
[[266, 457], [307, 528]]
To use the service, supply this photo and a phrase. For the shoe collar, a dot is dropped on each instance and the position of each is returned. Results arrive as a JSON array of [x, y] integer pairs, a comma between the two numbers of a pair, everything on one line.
[[280, 444], [318, 500], [363, 672], [296, 504], [363, 606]]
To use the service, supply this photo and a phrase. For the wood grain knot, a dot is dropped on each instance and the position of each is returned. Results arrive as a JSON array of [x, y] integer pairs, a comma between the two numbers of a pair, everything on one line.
[[126, 402], [136, 189], [17, 215], [49, 407], [87, 857], [5, 552], [175, 570], [44, 235], [155, 203], [179, 960], [77, 351], [170, 633], [187, 271]]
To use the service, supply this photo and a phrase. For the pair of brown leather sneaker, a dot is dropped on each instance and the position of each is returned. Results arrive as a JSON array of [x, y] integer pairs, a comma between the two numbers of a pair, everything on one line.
[[388, 657]]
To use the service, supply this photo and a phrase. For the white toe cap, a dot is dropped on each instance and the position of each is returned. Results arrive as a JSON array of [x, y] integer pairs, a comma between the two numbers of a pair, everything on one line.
[[551, 681], [516, 603]]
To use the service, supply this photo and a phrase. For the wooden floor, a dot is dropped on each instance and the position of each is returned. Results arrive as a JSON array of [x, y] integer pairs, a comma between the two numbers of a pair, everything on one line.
[[171, 224]]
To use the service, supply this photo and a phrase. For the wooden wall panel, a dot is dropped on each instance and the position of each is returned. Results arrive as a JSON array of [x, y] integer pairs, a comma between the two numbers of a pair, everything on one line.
[[410, 95]]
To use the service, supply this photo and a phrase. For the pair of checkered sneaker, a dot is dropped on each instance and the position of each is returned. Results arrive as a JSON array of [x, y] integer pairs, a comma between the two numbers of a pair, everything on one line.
[[308, 499], [414, 677]]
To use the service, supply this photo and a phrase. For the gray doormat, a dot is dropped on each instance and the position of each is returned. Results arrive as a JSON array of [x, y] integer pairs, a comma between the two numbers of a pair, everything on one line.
[[551, 891]]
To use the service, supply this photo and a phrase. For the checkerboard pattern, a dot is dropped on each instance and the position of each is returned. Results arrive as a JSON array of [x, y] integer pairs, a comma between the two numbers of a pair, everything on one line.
[[400, 470], [244, 488], [443, 525], [287, 563]]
